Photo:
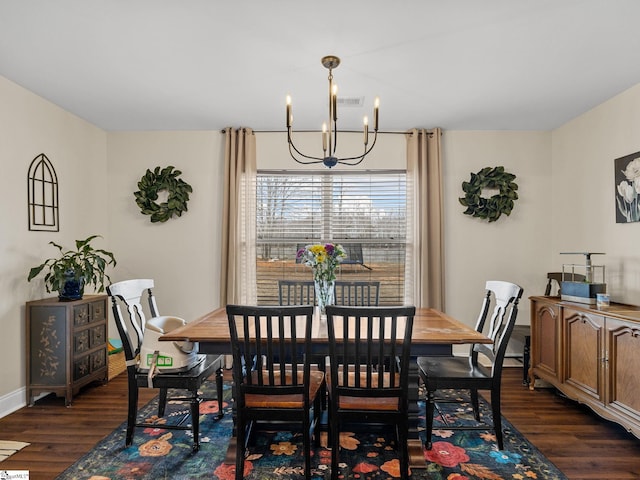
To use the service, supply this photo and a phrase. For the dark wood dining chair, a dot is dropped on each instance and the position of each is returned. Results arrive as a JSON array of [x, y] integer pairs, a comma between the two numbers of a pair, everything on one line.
[[131, 326], [469, 373], [296, 292], [273, 377], [357, 293], [558, 278], [369, 372]]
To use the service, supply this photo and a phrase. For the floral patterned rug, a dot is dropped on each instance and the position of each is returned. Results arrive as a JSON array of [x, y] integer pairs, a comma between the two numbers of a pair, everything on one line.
[[159, 453]]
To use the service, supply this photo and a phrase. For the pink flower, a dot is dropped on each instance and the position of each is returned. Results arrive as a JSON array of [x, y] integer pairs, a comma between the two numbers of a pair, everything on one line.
[[228, 472], [446, 454], [364, 468]]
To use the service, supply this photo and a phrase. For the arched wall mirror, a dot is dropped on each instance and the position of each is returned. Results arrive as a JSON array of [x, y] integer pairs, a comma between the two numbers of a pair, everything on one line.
[[44, 210]]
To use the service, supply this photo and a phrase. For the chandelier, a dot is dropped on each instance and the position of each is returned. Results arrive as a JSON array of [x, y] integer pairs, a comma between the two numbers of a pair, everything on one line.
[[330, 128]]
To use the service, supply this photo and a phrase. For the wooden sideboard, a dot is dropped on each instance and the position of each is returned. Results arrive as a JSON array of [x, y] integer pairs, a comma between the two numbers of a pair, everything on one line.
[[590, 354], [66, 345]]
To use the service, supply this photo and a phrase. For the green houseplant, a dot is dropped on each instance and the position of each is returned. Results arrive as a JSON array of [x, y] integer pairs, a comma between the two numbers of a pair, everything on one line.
[[68, 273]]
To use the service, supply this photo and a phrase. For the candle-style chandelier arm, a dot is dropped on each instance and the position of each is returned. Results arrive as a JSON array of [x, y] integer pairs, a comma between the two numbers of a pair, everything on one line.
[[293, 148], [328, 159], [359, 158]]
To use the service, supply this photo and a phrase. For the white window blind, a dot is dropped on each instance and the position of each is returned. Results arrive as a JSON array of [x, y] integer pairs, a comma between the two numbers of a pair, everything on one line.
[[364, 211]]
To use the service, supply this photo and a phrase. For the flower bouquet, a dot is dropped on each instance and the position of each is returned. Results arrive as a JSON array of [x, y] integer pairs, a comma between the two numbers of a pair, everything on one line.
[[323, 260]]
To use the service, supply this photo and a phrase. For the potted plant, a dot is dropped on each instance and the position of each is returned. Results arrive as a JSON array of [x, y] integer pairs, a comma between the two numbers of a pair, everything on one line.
[[73, 269]]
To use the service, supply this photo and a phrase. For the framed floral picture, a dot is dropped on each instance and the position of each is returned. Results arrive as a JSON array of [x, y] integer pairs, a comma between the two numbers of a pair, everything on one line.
[[627, 178]]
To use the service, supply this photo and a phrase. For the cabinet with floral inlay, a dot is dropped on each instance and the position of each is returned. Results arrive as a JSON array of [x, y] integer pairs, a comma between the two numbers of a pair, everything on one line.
[[597, 355], [66, 345]]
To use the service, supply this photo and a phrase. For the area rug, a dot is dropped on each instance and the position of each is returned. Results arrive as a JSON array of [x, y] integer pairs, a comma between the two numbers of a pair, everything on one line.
[[9, 447], [159, 453]]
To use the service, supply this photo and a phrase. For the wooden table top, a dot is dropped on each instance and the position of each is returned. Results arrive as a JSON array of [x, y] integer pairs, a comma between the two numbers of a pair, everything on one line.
[[430, 326]]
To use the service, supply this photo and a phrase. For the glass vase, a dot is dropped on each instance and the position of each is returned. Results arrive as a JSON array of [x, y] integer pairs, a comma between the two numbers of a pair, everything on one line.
[[325, 293]]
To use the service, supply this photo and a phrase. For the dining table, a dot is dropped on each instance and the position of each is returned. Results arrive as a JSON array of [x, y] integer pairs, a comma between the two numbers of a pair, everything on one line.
[[434, 333]]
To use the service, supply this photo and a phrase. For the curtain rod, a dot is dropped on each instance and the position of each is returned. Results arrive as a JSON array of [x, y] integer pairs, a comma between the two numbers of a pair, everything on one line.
[[224, 130]]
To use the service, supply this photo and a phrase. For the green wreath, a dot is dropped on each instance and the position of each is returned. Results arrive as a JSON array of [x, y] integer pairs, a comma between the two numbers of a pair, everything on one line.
[[157, 181], [489, 208]]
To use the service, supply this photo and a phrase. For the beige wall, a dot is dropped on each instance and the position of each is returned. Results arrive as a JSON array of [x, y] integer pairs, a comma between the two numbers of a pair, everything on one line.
[[31, 126], [583, 186], [511, 248], [180, 254]]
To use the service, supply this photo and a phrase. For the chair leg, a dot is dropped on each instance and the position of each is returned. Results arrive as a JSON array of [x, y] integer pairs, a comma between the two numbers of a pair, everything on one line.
[[132, 413], [334, 431], [403, 448], [219, 391], [306, 444], [475, 404], [195, 420], [431, 402], [240, 446], [162, 402], [317, 413], [497, 416], [322, 366]]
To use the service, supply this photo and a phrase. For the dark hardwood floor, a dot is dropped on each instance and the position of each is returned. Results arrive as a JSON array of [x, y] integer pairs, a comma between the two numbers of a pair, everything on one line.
[[577, 441], [60, 435]]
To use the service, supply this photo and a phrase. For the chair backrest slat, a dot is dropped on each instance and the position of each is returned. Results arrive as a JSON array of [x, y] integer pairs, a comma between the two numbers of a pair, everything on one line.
[[356, 293], [269, 352], [296, 292], [129, 293], [504, 297], [369, 350]]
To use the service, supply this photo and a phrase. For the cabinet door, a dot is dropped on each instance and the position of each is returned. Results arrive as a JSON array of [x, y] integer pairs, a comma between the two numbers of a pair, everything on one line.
[[545, 338], [584, 347], [47, 345], [623, 359]]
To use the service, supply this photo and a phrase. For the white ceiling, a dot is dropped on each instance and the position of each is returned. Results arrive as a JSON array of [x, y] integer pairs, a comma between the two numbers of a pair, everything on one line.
[[207, 64]]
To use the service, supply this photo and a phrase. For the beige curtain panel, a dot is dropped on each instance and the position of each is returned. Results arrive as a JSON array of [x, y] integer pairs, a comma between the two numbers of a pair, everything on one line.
[[238, 266], [426, 238]]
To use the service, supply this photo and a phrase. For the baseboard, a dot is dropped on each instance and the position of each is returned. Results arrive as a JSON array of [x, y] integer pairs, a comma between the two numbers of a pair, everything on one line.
[[12, 401]]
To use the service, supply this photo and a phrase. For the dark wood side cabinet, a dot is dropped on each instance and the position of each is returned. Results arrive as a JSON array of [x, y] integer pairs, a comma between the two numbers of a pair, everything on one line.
[[591, 355], [66, 345]]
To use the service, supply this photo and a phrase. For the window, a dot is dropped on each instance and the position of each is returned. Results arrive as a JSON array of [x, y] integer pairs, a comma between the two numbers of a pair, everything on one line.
[[366, 212]]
